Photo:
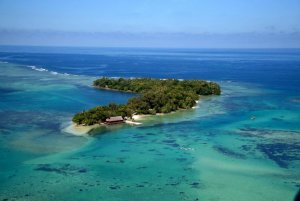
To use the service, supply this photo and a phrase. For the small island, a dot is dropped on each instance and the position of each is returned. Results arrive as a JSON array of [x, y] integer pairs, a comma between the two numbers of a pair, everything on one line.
[[153, 96]]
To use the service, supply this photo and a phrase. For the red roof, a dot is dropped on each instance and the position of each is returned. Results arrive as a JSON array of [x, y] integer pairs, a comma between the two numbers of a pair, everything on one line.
[[114, 119]]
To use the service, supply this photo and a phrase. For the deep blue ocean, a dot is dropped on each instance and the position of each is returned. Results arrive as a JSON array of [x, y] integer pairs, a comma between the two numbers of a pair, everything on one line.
[[242, 145], [276, 68]]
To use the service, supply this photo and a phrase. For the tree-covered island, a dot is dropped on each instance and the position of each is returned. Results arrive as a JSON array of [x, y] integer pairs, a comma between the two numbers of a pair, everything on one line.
[[154, 96]]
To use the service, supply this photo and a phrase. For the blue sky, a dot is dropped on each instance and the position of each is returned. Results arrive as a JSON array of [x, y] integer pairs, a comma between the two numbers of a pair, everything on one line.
[[151, 23]]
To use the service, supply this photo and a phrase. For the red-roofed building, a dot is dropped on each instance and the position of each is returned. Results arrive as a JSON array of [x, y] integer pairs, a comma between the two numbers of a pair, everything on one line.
[[114, 120]]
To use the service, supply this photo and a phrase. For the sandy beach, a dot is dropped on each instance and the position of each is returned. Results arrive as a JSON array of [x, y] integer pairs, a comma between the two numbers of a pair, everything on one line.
[[80, 130]]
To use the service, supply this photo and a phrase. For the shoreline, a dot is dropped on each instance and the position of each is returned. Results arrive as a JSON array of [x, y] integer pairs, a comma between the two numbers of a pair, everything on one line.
[[81, 130], [144, 103]]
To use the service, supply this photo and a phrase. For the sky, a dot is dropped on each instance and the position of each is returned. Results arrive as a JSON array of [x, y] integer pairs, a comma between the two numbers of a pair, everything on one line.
[[151, 23]]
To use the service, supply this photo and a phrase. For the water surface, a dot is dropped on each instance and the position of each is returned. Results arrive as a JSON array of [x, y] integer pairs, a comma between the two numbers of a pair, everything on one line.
[[216, 151]]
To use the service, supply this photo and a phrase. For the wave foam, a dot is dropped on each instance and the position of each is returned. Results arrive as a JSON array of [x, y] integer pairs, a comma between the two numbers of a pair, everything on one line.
[[54, 73], [51, 72], [37, 69]]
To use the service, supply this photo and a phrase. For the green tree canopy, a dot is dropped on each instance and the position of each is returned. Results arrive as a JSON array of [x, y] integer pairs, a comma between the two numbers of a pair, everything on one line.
[[155, 96]]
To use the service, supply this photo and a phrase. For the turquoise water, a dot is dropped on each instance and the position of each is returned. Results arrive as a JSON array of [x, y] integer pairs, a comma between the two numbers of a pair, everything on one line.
[[216, 151]]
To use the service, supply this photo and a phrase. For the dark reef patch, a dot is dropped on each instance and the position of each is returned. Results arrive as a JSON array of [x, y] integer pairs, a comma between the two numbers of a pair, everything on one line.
[[6, 91], [281, 153], [277, 119], [168, 141], [4, 132], [172, 184], [64, 169], [196, 185], [141, 167], [181, 159], [114, 187], [83, 170], [251, 132], [125, 150], [229, 152], [151, 150], [138, 136], [174, 145], [9, 117]]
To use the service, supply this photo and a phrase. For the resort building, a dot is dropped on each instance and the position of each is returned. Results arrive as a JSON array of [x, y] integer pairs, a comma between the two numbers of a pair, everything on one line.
[[114, 120]]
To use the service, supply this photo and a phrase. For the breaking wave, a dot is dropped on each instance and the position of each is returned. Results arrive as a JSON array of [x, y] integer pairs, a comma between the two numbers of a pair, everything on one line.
[[37, 69], [46, 70]]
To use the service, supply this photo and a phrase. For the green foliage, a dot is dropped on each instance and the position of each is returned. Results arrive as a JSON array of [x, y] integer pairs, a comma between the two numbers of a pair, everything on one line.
[[100, 113], [156, 96]]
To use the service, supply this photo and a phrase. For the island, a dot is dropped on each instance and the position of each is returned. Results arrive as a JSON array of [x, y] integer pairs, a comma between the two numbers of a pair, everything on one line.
[[153, 96]]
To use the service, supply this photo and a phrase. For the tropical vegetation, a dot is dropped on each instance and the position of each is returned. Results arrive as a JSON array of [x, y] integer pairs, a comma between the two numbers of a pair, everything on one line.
[[154, 96]]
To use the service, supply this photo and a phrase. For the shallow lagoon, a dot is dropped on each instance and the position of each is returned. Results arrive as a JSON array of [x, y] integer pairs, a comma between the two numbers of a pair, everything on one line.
[[213, 152]]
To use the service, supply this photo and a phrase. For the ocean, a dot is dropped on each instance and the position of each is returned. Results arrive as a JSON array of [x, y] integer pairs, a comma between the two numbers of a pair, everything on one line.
[[242, 145]]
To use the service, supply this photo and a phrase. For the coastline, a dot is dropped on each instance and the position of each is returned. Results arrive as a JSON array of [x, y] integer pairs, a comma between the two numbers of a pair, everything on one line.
[[156, 96], [79, 130]]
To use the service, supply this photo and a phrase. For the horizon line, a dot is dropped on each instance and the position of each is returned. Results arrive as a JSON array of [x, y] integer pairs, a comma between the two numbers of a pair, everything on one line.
[[139, 47]]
